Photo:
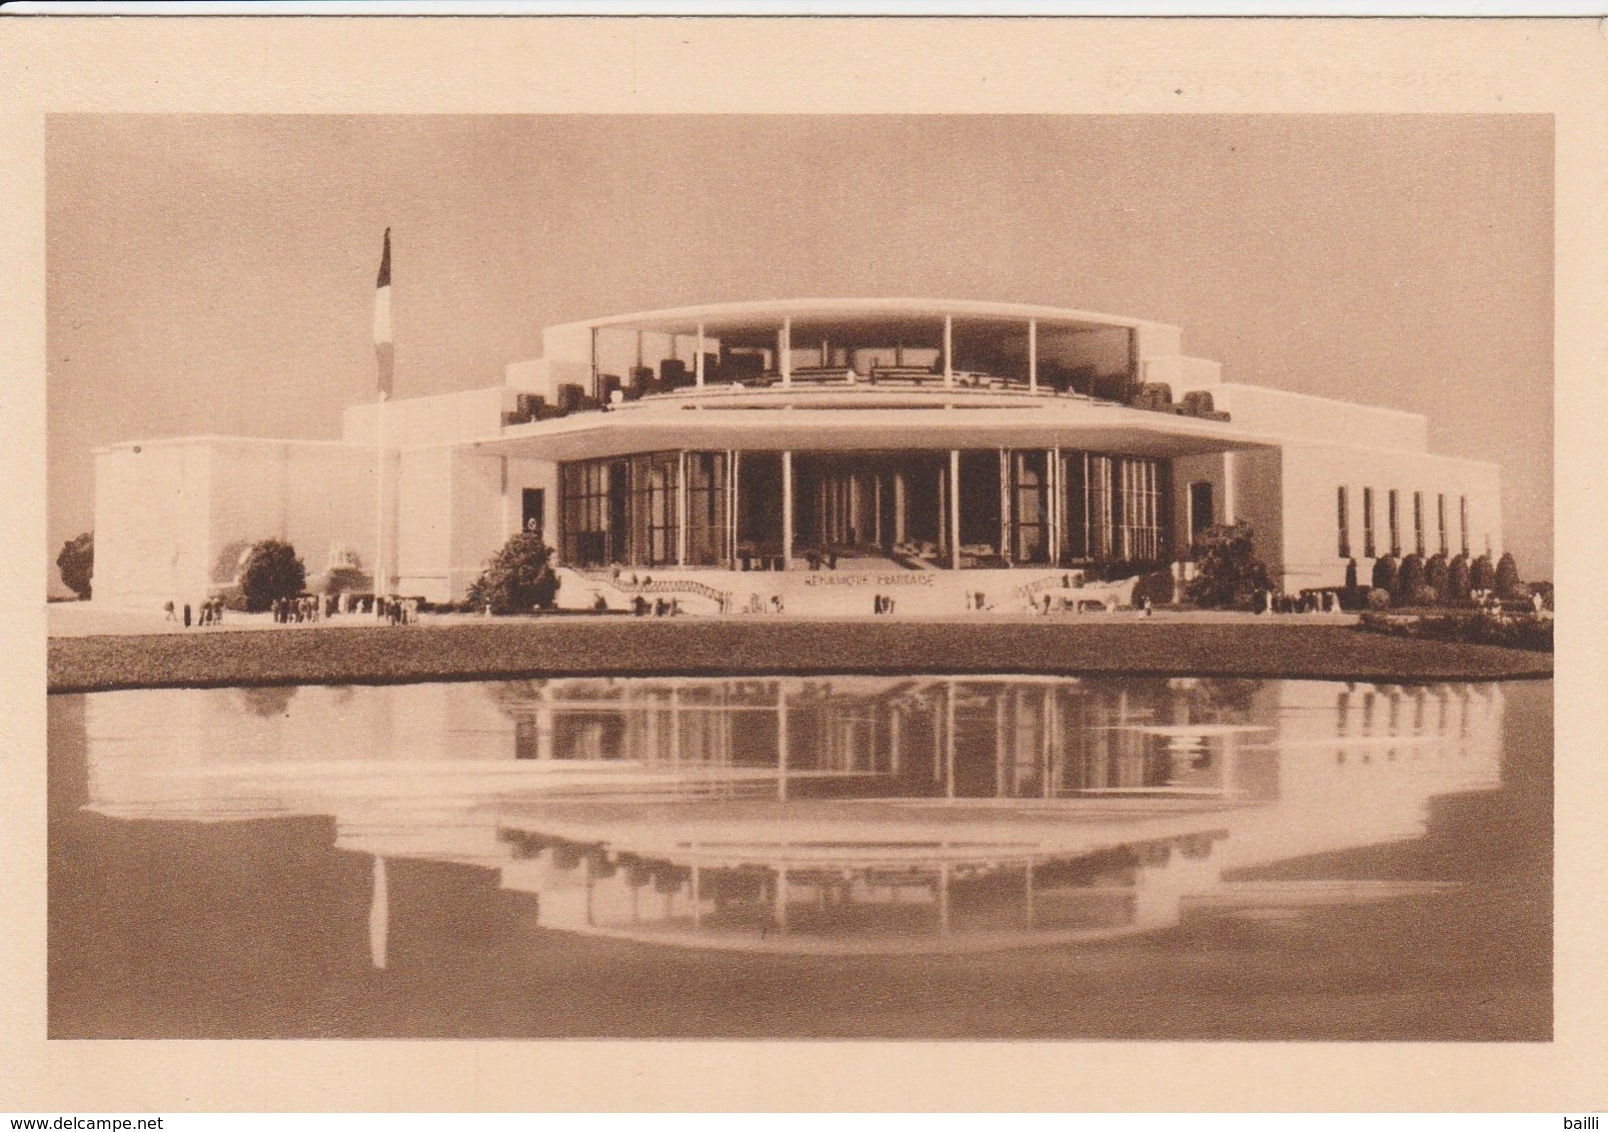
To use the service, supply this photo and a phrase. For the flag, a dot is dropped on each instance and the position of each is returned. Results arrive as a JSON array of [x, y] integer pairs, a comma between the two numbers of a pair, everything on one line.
[[384, 349]]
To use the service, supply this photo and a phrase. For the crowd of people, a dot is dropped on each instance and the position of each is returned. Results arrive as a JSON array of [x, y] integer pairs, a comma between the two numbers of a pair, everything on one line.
[[208, 612], [658, 607], [304, 609], [1310, 601]]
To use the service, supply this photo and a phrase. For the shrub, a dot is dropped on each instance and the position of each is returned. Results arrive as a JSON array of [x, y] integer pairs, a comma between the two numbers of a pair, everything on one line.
[[1459, 581], [520, 578], [1527, 632], [1436, 574], [1157, 586], [1409, 580], [271, 571], [1482, 575], [77, 564], [1425, 596], [1507, 577], [1227, 573], [1378, 599], [1384, 573]]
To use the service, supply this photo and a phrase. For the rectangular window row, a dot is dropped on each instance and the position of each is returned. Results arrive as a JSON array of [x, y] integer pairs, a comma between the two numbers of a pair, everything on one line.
[[1421, 544]]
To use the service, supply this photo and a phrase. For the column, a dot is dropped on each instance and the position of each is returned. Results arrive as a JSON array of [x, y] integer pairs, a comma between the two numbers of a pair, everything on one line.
[[1088, 510], [954, 508], [733, 460], [876, 507], [698, 362], [1229, 462], [787, 509], [1005, 548], [1032, 355], [681, 510], [1052, 469], [949, 351], [784, 351]]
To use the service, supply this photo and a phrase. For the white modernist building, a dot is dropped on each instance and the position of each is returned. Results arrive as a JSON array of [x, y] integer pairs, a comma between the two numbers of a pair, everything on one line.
[[777, 454]]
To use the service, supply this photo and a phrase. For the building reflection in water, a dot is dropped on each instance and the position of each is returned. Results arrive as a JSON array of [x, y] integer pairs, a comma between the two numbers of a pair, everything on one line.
[[832, 814]]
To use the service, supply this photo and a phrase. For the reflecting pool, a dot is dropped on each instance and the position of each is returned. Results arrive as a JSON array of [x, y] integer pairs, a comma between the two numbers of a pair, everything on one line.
[[833, 856]]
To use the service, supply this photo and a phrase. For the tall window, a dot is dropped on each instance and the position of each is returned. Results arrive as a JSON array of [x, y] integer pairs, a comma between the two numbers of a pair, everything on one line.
[[1368, 547], [654, 509], [1344, 515], [706, 509], [1103, 507], [1394, 503], [1418, 523], [1440, 520], [1122, 508], [1141, 511], [584, 489], [1030, 506], [1462, 507]]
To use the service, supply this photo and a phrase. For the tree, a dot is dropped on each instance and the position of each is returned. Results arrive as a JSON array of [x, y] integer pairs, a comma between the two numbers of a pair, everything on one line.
[[1437, 574], [77, 564], [520, 578], [271, 571], [1458, 579], [1482, 575], [1507, 576], [1227, 571], [1384, 573]]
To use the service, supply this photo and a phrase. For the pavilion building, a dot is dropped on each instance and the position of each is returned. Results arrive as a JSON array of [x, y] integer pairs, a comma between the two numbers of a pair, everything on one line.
[[774, 455]]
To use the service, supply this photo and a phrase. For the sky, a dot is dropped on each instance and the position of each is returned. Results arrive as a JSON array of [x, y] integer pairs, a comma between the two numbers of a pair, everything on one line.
[[215, 274]]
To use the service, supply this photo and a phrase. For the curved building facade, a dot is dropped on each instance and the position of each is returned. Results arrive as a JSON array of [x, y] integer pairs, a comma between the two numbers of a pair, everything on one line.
[[776, 455]]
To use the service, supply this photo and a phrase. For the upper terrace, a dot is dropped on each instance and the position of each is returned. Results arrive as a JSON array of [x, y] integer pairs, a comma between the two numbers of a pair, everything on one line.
[[886, 345], [880, 354]]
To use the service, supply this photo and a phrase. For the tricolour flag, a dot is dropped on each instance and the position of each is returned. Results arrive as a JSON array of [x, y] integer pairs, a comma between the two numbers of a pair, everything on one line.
[[384, 348]]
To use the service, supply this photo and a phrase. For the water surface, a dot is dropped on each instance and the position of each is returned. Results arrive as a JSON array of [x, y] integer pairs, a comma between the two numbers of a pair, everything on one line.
[[824, 857]]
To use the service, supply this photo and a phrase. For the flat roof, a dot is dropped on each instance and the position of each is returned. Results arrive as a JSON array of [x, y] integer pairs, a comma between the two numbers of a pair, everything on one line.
[[849, 309]]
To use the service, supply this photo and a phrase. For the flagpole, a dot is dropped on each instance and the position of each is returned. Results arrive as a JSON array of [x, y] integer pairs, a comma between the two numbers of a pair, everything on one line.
[[385, 361], [379, 495]]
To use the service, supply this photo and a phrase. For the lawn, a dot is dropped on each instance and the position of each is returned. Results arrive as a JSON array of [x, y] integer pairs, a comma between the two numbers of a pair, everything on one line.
[[534, 647]]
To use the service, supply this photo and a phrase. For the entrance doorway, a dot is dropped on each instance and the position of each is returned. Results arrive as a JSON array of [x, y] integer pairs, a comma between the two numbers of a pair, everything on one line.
[[533, 510], [1200, 508]]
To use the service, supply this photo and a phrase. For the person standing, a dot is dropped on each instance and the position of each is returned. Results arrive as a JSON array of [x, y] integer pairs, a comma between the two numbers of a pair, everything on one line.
[[186, 615]]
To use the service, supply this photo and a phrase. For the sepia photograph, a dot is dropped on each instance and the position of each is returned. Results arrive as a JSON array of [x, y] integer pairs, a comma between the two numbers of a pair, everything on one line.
[[898, 577], [658, 565]]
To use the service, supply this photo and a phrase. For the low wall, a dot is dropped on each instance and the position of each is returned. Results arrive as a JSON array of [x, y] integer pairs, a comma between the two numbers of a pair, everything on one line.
[[832, 593]]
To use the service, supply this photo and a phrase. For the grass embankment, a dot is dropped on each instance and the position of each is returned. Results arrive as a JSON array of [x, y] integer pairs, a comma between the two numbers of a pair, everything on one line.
[[535, 648]]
